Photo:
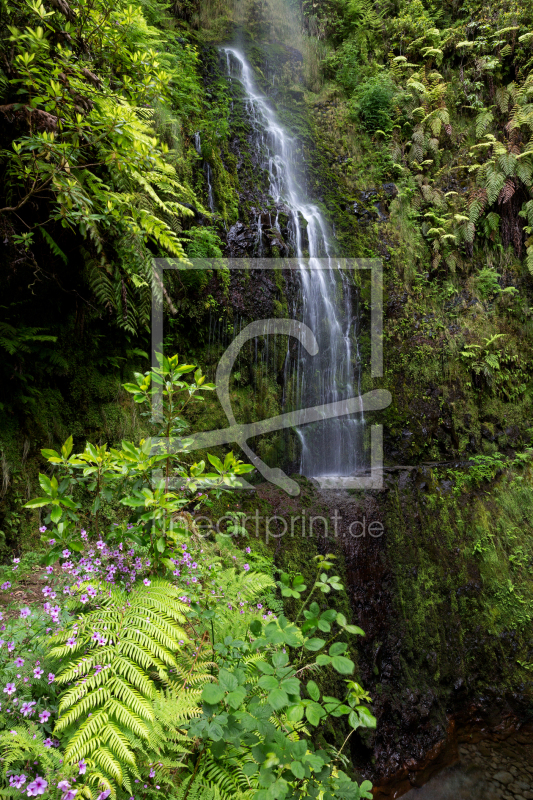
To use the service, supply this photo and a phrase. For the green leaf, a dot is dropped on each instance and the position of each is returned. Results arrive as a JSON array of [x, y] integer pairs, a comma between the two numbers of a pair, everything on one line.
[[37, 502], [268, 683], [236, 698], [212, 694], [314, 713], [295, 713], [56, 514], [337, 648], [354, 629], [366, 718], [343, 665], [45, 484], [227, 680], [297, 769], [323, 660], [313, 690], [314, 644], [216, 462], [291, 685], [278, 699]]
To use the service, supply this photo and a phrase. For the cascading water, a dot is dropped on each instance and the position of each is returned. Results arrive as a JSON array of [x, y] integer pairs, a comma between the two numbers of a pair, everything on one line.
[[332, 447], [207, 173]]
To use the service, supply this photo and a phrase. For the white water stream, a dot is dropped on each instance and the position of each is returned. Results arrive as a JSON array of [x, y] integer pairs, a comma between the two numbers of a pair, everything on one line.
[[332, 447]]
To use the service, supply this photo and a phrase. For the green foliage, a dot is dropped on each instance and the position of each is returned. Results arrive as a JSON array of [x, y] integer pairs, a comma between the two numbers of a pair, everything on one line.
[[135, 470], [90, 148], [372, 104], [106, 709]]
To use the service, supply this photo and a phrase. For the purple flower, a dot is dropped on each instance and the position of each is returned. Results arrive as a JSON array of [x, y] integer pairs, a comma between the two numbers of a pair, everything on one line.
[[83, 766], [25, 612], [27, 709], [44, 716], [6, 586], [248, 550], [38, 672], [63, 786], [16, 561], [70, 795], [259, 605], [19, 781], [51, 677], [146, 582], [152, 773], [246, 567], [104, 795], [38, 786], [66, 553], [19, 662], [51, 542], [47, 742], [100, 544], [91, 591], [71, 641], [10, 688], [49, 570], [42, 528], [84, 598]]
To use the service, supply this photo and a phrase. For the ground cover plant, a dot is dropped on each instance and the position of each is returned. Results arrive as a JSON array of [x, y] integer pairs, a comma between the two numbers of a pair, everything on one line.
[[160, 660]]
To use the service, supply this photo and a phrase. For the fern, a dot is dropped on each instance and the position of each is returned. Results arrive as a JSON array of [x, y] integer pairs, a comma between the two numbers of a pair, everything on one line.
[[22, 744], [122, 651]]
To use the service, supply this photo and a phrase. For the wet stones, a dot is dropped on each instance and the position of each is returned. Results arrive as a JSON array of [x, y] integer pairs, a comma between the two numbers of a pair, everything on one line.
[[372, 204]]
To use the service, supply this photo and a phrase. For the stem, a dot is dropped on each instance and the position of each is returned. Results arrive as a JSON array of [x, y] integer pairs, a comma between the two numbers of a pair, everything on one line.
[[342, 748], [308, 597], [185, 796]]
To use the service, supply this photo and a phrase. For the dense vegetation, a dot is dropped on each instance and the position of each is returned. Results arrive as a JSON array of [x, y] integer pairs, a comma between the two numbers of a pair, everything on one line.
[[416, 124]]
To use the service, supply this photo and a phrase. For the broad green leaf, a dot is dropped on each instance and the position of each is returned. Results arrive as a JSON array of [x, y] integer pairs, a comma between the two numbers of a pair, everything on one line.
[[212, 694], [227, 680], [343, 665], [278, 699], [295, 713], [314, 644], [297, 769], [236, 698], [337, 648], [37, 502], [291, 685], [314, 713], [268, 683], [44, 482], [313, 690], [354, 629]]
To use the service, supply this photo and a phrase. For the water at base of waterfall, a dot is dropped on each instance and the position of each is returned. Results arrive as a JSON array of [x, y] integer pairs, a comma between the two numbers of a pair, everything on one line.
[[333, 447]]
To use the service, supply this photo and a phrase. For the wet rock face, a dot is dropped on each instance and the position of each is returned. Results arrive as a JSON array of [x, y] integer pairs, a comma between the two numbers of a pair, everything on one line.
[[268, 234], [372, 204]]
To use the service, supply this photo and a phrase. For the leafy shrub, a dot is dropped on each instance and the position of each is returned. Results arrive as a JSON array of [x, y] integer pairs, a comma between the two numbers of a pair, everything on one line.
[[170, 672], [372, 104]]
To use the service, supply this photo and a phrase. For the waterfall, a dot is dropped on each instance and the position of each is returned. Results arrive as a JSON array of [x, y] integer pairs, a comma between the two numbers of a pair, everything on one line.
[[333, 447], [207, 173]]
